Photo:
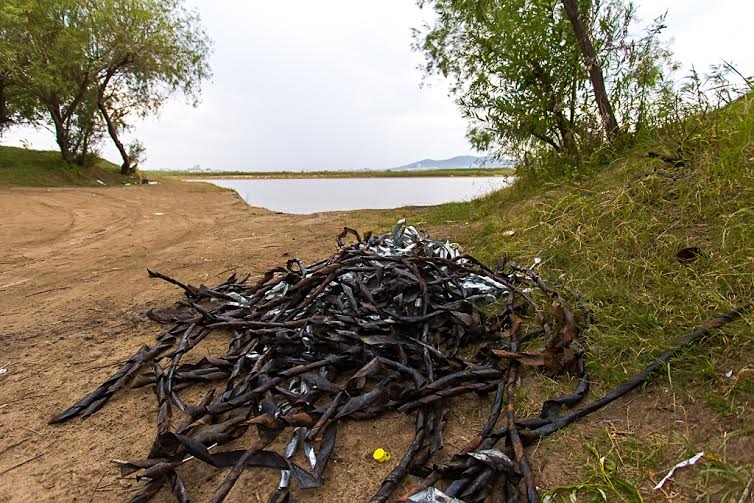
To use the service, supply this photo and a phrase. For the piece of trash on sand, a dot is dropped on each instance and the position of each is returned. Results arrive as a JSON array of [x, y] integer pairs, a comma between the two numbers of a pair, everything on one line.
[[381, 455], [3, 371], [100, 182], [159, 213], [433, 495], [688, 462]]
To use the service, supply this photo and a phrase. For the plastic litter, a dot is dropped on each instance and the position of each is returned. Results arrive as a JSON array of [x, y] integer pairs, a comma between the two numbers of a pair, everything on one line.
[[687, 462], [381, 455]]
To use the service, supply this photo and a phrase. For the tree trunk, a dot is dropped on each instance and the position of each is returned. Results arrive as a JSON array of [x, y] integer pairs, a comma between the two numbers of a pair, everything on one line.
[[5, 120], [125, 168], [112, 130], [62, 135], [595, 71]]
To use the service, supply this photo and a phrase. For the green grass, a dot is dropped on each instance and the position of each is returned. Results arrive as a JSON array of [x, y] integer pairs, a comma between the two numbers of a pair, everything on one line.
[[612, 235], [340, 174], [35, 168]]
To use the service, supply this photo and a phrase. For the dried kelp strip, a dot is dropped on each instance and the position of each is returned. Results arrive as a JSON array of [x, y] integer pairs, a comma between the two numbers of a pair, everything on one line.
[[556, 423], [395, 322], [97, 398]]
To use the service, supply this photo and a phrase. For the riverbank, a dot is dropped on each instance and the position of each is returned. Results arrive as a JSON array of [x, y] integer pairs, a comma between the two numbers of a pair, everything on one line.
[[75, 294], [39, 168], [428, 173]]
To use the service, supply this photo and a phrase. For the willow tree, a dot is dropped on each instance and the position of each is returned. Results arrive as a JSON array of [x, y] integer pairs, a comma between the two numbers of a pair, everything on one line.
[[44, 45], [16, 107], [147, 50], [512, 68], [520, 76], [91, 66]]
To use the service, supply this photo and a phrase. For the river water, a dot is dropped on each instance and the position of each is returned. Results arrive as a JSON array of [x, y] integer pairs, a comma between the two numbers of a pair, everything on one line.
[[312, 195]]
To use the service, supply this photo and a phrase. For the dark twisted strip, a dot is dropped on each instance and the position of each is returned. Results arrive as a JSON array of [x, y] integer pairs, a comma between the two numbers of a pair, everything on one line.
[[97, 398], [487, 373], [639, 378], [323, 420], [191, 291], [149, 490], [523, 461], [164, 413], [480, 387], [220, 407], [230, 479]]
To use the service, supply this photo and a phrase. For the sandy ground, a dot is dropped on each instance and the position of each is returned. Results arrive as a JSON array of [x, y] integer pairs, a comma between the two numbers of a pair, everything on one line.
[[73, 297]]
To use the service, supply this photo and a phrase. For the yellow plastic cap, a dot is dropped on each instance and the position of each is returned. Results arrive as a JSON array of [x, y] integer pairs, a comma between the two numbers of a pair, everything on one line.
[[380, 455]]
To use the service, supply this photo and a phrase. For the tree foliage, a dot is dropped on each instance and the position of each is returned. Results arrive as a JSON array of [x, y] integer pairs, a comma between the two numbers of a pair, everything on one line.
[[44, 47], [148, 50], [519, 75], [87, 67]]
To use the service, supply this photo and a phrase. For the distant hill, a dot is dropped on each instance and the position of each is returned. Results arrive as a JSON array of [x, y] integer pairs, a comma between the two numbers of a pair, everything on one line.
[[458, 162]]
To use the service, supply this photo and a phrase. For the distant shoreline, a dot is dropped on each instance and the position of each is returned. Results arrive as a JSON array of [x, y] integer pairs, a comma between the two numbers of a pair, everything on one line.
[[337, 174]]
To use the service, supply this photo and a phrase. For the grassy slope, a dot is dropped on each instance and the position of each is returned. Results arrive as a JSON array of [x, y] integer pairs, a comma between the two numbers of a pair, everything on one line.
[[341, 174], [613, 237], [35, 168]]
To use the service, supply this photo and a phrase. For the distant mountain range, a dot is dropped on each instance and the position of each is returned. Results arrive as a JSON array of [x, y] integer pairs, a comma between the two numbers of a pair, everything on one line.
[[458, 162]]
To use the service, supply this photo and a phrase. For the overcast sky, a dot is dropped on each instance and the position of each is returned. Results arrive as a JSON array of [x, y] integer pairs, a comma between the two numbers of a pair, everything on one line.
[[334, 84]]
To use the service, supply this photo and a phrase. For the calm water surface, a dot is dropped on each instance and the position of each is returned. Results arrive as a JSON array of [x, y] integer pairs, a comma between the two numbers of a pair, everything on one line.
[[311, 195]]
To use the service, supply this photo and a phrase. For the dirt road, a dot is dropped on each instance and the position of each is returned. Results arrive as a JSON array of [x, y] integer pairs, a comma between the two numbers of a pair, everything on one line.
[[73, 296]]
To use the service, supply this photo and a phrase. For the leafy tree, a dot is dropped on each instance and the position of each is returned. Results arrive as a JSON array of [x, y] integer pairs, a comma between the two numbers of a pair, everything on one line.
[[147, 50], [512, 68], [7, 112], [15, 105], [44, 46], [520, 76], [91, 65]]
